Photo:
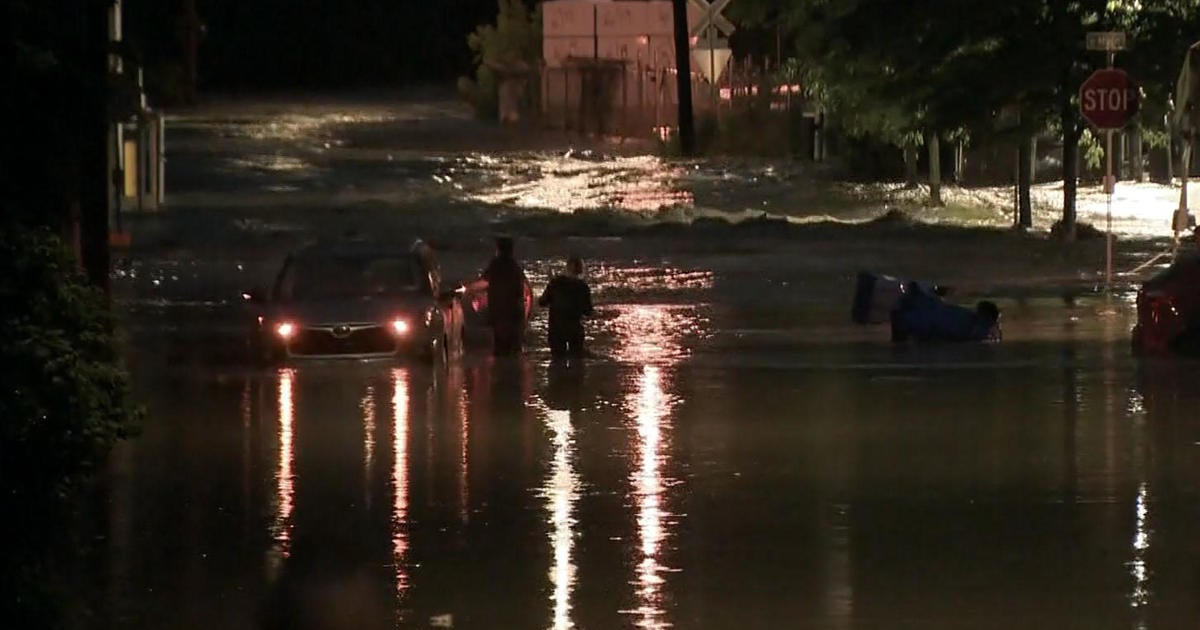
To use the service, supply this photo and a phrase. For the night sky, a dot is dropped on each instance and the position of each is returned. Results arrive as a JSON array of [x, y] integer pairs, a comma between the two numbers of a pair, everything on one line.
[[312, 44]]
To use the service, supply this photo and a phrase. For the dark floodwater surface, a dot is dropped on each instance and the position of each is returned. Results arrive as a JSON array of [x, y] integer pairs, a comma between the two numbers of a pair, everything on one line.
[[1057, 491], [737, 456]]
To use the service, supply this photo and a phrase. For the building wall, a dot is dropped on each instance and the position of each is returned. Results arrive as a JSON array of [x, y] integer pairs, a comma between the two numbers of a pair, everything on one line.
[[639, 33]]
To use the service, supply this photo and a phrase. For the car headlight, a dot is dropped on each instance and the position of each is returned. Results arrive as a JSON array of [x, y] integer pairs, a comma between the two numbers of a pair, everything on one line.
[[285, 330], [399, 326]]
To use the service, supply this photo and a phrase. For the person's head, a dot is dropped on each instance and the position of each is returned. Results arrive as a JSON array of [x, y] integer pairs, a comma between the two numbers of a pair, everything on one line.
[[504, 246], [575, 266], [988, 311]]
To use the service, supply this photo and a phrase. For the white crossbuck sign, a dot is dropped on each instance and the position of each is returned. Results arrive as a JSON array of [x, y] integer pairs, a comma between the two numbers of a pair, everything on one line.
[[711, 12]]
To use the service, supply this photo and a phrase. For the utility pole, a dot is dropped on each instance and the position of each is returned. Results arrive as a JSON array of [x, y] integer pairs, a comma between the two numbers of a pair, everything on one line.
[[190, 33], [93, 126], [683, 79]]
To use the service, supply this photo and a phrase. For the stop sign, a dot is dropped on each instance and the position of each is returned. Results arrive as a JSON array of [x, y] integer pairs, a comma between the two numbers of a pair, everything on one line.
[[1108, 98]]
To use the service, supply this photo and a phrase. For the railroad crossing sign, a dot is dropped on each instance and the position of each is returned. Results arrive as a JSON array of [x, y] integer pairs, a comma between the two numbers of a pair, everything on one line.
[[710, 13], [1108, 98]]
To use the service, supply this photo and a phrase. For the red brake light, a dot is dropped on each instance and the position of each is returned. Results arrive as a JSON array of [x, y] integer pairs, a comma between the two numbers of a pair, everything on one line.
[[285, 329], [399, 326]]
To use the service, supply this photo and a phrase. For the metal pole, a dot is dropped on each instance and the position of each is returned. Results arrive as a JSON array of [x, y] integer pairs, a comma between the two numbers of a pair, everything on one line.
[[1017, 188], [1181, 217], [712, 63], [1108, 185]]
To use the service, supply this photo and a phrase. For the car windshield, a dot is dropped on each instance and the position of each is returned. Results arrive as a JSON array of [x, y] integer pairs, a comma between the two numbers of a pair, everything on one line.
[[336, 277]]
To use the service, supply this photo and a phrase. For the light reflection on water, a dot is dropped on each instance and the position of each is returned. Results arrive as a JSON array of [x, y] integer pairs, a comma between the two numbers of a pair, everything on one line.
[[274, 163], [647, 279], [400, 478], [650, 405], [284, 477], [1140, 595], [561, 491], [461, 406], [568, 184], [654, 333], [368, 413]]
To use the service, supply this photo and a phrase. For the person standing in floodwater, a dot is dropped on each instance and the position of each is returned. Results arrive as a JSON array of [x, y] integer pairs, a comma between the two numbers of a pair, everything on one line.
[[505, 281], [570, 300]]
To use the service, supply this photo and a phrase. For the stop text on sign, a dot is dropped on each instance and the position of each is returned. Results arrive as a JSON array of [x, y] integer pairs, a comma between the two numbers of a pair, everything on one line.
[[1108, 99]]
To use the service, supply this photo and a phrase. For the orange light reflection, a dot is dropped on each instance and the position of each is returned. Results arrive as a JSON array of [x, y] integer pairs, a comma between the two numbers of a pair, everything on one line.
[[653, 333], [400, 477], [284, 479]]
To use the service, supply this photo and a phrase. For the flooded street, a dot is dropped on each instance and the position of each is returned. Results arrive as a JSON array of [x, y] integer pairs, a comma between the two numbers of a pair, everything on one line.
[[737, 454]]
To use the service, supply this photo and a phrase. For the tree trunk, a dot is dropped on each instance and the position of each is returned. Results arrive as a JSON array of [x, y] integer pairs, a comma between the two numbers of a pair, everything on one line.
[[935, 170], [910, 165], [1136, 164], [1070, 165], [1024, 180], [958, 163], [1033, 159]]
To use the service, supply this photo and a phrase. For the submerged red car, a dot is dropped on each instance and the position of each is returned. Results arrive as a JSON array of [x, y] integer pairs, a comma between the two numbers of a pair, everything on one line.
[[1168, 310]]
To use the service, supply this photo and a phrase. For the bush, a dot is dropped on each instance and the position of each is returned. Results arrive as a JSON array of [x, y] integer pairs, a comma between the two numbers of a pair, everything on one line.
[[65, 397]]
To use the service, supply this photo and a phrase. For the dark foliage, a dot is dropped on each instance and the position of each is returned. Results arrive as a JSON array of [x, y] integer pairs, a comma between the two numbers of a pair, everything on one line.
[[65, 398], [64, 401]]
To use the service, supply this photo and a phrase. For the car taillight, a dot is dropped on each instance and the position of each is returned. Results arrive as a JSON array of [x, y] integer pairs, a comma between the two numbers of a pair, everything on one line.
[[285, 330], [399, 326], [1160, 305]]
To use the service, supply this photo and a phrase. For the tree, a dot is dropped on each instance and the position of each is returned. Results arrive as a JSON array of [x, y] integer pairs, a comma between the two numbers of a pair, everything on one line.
[[902, 70], [905, 72], [515, 40]]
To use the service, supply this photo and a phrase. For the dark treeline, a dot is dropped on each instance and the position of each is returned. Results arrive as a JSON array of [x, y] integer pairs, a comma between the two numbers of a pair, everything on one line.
[[309, 44]]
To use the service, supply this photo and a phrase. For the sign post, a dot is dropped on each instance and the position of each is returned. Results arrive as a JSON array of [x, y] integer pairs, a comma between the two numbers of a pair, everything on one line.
[[1107, 100]]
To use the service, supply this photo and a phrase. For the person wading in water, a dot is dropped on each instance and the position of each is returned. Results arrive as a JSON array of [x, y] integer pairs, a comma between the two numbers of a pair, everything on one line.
[[570, 300], [505, 281]]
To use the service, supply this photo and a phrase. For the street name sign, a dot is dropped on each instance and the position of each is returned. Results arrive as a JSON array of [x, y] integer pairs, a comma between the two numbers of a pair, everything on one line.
[[1107, 41]]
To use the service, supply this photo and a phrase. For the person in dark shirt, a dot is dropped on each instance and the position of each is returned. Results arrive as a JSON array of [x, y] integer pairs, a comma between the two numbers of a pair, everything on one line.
[[505, 281], [570, 300], [923, 316]]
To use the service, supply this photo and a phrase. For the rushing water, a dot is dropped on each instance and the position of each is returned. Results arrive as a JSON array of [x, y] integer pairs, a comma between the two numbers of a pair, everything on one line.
[[737, 455]]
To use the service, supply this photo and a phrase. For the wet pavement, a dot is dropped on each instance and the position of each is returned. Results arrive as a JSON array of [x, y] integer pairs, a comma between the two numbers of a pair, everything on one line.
[[737, 455]]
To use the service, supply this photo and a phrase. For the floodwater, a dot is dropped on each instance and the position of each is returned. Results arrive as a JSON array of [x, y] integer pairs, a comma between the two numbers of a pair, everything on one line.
[[737, 455]]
